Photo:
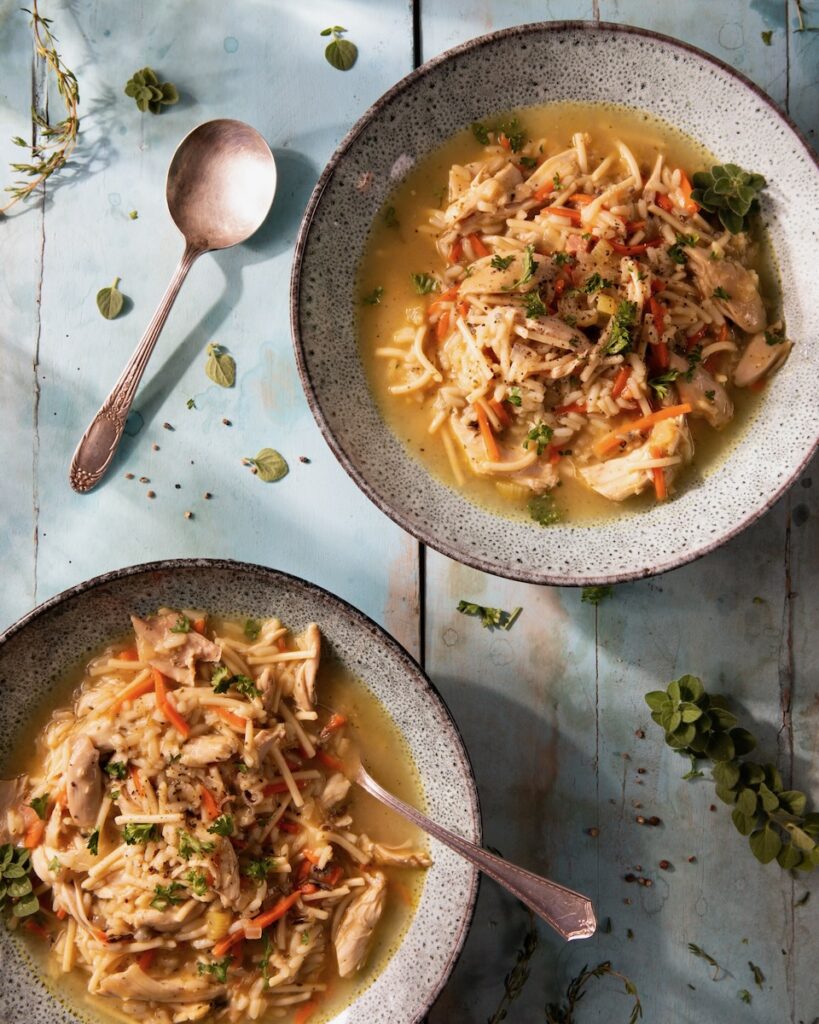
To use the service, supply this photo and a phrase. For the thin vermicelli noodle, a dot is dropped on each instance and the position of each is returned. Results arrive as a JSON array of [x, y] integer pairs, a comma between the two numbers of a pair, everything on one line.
[[581, 308], [198, 843]]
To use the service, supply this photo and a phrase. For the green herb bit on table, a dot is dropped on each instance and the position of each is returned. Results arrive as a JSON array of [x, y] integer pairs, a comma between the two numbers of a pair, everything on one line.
[[340, 53], [220, 367], [515, 980], [491, 618], [774, 819], [564, 1013], [594, 595], [149, 93], [269, 465], [110, 300]]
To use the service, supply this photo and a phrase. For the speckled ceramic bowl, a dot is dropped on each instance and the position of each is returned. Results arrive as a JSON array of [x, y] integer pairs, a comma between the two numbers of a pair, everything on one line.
[[536, 64], [37, 650]]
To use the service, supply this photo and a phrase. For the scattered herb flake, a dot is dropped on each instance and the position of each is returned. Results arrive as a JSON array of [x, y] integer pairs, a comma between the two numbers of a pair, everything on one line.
[[481, 133], [40, 804], [513, 397], [772, 338], [222, 826], [252, 629], [542, 509], [766, 39], [759, 977], [116, 769], [93, 843], [374, 297], [594, 595], [661, 384], [720, 293], [743, 993], [425, 283], [197, 881], [698, 951], [166, 896], [534, 305], [134, 834], [183, 625], [218, 968], [541, 434], [500, 262], [190, 845], [491, 618]]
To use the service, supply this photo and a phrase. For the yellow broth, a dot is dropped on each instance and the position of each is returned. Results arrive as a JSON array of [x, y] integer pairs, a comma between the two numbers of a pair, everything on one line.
[[392, 254], [385, 754]]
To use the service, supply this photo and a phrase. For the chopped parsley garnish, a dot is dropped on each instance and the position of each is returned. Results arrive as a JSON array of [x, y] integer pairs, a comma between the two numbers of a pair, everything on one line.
[[491, 618], [481, 133], [542, 510], [390, 219], [773, 339], [134, 834], [513, 398], [222, 826], [529, 267], [594, 595], [183, 625], [197, 882], [166, 896], [39, 804], [595, 283], [258, 868], [513, 131], [500, 262], [560, 259], [116, 769], [541, 435], [528, 161], [221, 680], [621, 323], [662, 383], [534, 304], [218, 968], [245, 686], [374, 297], [556, 181], [190, 845], [191, 403], [252, 629], [694, 359], [710, 395], [675, 251], [93, 843], [720, 293], [54, 866], [264, 963], [424, 283]]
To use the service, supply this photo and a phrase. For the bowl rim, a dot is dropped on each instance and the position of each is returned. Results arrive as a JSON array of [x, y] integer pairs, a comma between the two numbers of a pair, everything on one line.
[[360, 618], [420, 533]]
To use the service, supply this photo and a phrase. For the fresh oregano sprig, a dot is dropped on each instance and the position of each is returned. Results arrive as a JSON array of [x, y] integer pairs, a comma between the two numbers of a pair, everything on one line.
[[16, 890], [54, 142], [149, 93], [729, 192], [700, 725]]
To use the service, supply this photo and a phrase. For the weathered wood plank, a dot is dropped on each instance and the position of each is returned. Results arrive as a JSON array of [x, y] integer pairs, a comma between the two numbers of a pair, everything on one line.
[[224, 64]]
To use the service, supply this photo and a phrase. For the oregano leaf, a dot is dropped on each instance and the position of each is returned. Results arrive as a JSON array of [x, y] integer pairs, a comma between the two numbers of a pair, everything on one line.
[[110, 300], [341, 54], [789, 857], [270, 465], [765, 844], [794, 801], [220, 367], [743, 823]]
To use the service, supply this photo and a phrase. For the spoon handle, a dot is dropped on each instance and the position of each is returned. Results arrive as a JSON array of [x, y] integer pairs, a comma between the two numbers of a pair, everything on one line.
[[99, 443], [570, 914]]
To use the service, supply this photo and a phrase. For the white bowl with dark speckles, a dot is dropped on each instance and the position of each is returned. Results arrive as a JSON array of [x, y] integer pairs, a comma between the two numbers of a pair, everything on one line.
[[37, 651], [535, 64]]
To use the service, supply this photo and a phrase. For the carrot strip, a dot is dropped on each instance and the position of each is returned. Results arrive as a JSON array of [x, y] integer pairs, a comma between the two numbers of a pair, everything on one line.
[[660, 488], [281, 787], [573, 407], [131, 693], [281, 643], [35, 828], [129, 654], [658, 312], [560, 286], [580, 198], [620, 381], [165, 705], [303, 870], [290, 827], [463, 308], [541, 193], [498, 409], [657, 285], [633, 250], [724, 333], [442, 326], [664, 203], [685, 188], [504, 141], [61, 914], [614, 439], [145, 960], [336, 721], [562, 211], [133, 771], [199, 625], [478, 247], [661, 356], [695, 338], [456, 251], [489, 442], [444, 297], [36, 929], [100, 935], [332, 878], [554, 455], [209, 802], [328, 761], [305, 1012], [236, 721]]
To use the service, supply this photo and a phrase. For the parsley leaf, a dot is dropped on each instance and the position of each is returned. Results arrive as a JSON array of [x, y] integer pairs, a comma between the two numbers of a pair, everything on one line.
[[528, 161], [93, 843], [481, 133], [595, 283], [594, 595], [542, 510], [773, 339], [134, 834], [220, 679], [190, 845], [183, 625], [54, 866], [264, 963], [197, 881], [513, 398], [720, 293], [500, 262], [166, 896], [534, 304], [662, 383], [116, 769], [560, 259], [541, 435], [621, 324], [258, 868], [252, 629], [223, 826], [245, 686], [694, 359], [491, 618], [530, 265], [425, 283], [710, 395], [39, 804], [218, 968], [513, 130], [675, 251], [374, 297], [556, 181]]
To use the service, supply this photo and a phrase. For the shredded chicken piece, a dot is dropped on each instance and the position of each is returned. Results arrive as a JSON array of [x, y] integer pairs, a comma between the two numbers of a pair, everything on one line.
[[174, 653], [83, 780], [394, 856], [134, 983], [759, 359], [352, 940]]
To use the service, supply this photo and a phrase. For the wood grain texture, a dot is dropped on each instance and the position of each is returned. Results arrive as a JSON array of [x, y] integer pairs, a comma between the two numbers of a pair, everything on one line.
[[552, 708]]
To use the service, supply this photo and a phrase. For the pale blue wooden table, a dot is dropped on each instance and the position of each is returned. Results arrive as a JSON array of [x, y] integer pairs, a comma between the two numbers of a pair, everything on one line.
[[549, 711]]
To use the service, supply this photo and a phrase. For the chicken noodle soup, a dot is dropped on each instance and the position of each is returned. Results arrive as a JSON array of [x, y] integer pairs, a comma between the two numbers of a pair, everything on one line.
[[569, 310], [201, 851]]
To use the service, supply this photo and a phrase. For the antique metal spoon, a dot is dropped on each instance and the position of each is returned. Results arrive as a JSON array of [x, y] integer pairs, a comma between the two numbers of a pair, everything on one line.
[[570, 914], [220, 187]]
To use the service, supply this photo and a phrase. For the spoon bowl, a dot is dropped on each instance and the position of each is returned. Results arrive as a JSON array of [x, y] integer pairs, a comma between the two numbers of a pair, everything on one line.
[[221, 183]]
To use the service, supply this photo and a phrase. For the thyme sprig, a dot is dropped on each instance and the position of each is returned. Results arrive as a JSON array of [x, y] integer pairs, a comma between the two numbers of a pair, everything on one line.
[[563, 1013], [515, 980], [54, 142]]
